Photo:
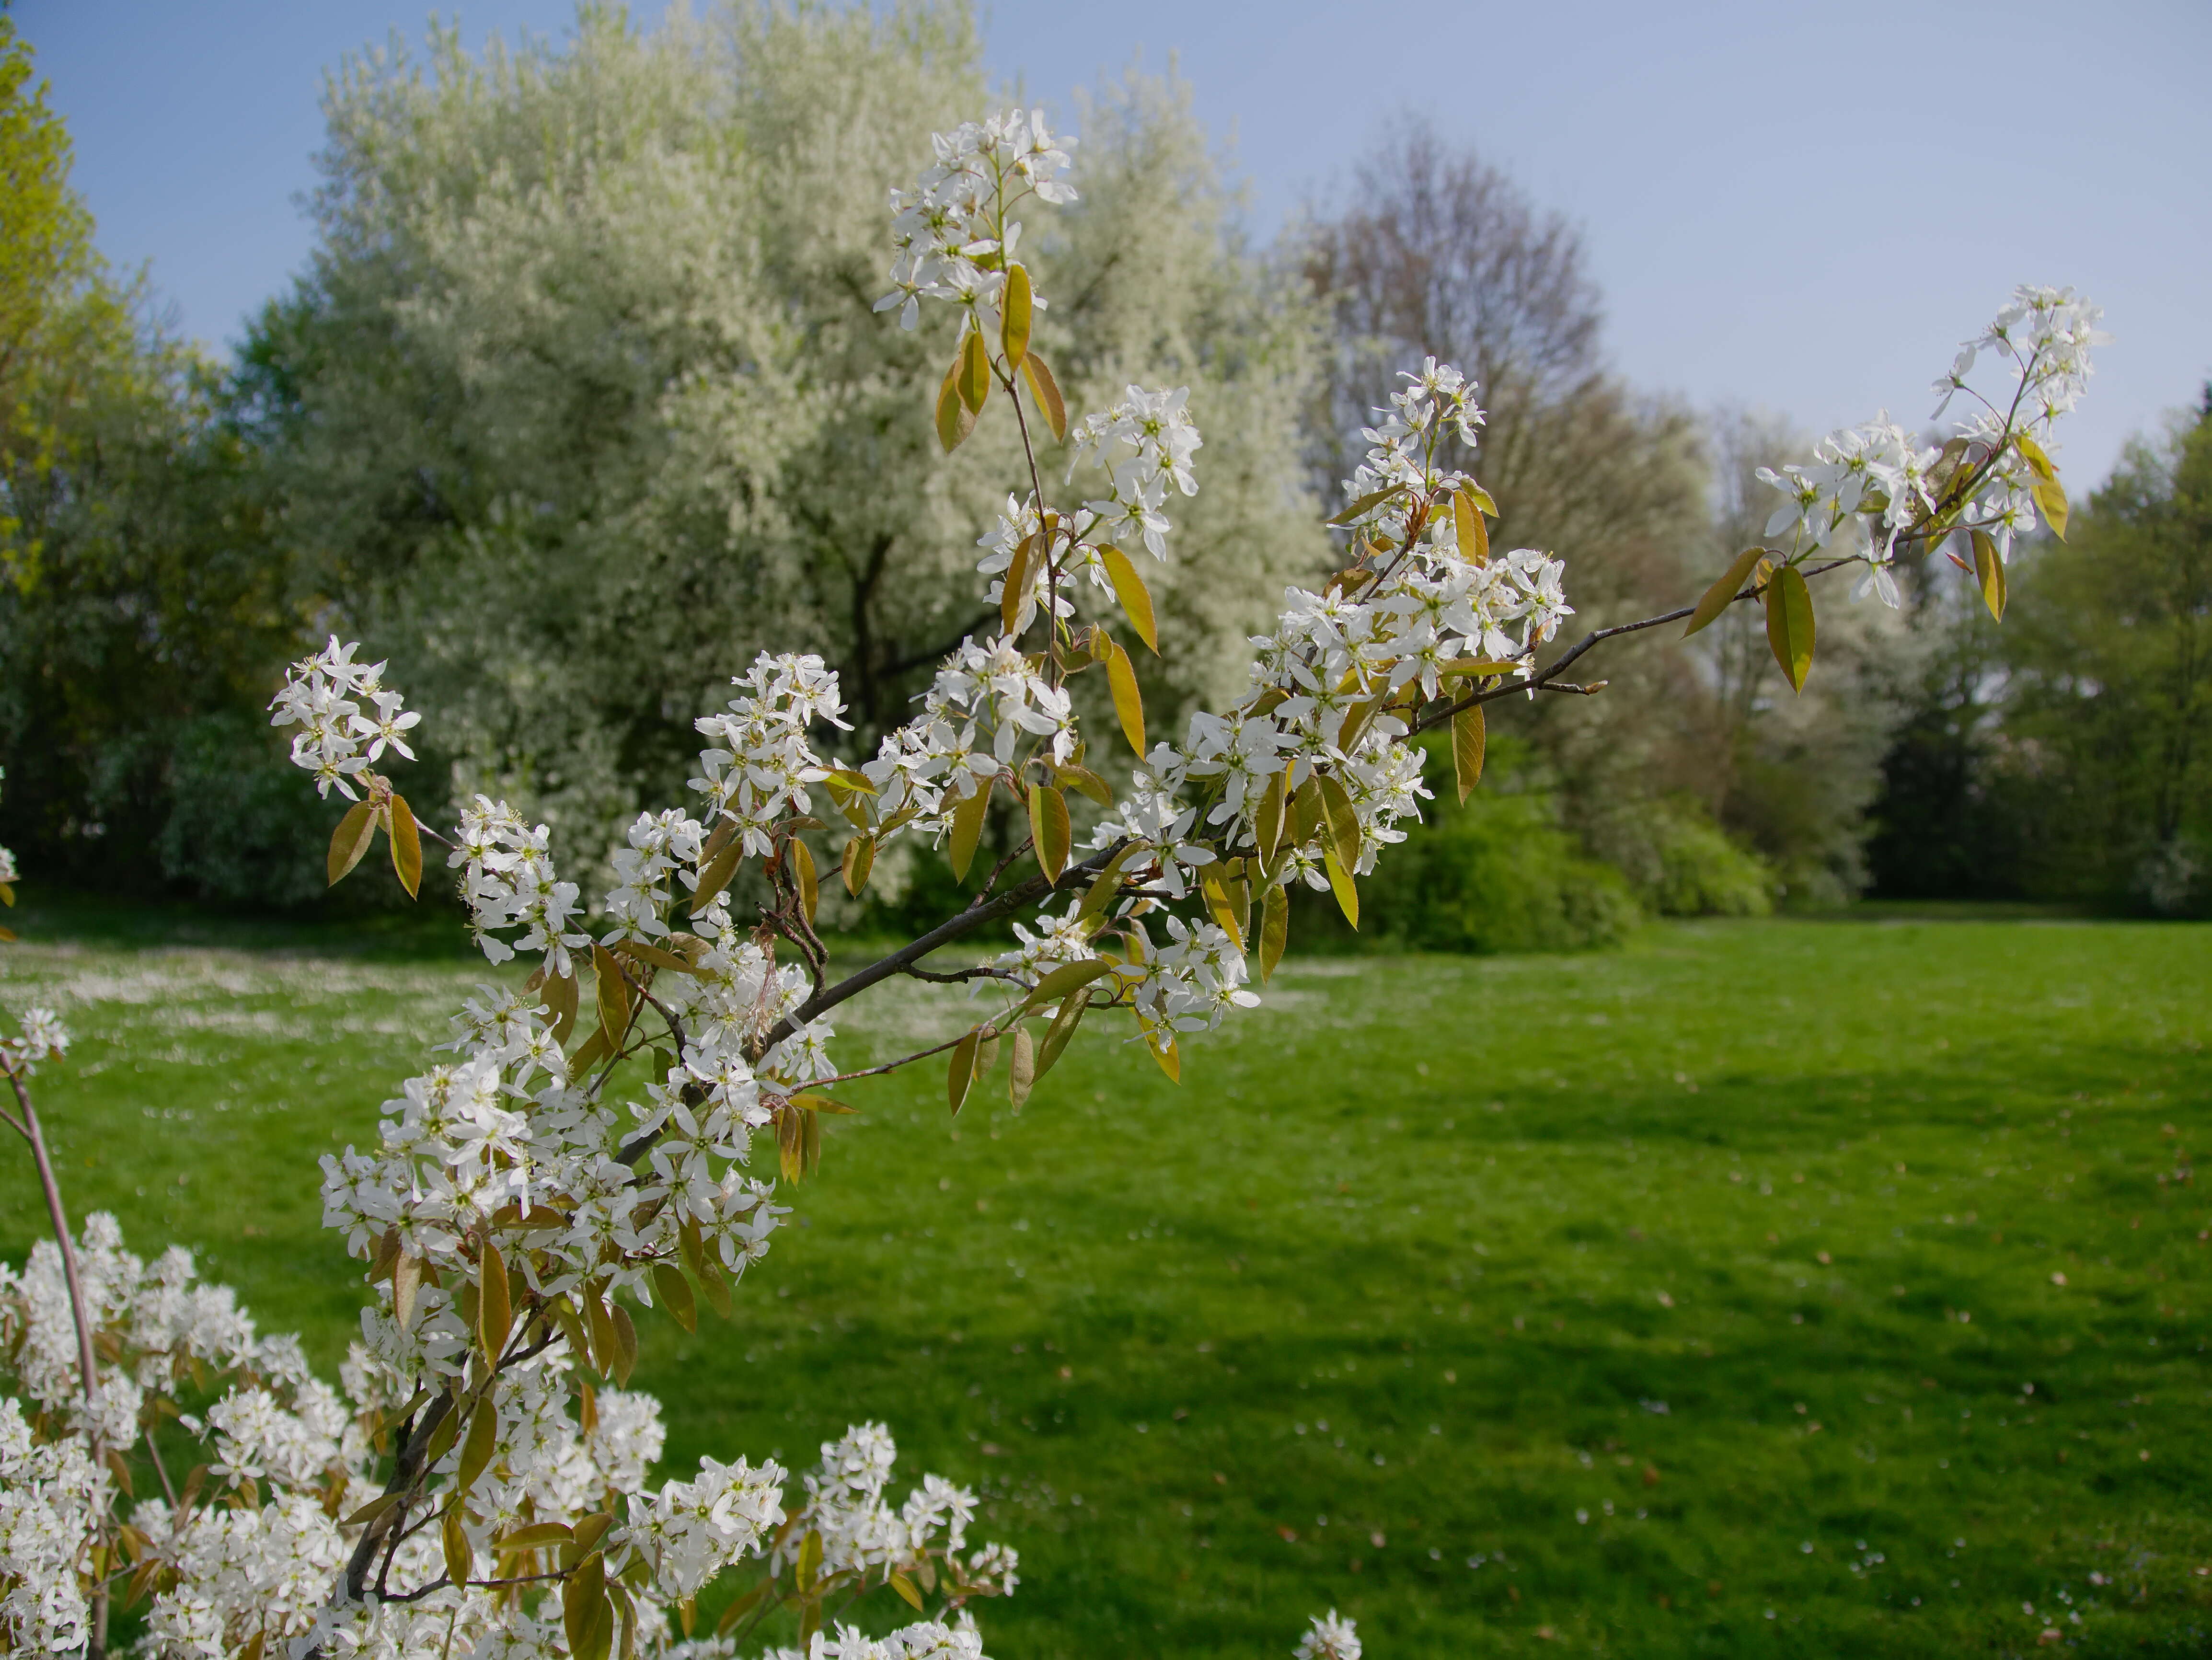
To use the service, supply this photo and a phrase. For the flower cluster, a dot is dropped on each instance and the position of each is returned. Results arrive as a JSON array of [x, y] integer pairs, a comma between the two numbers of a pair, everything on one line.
[[763, 763], [980, 706], [1331, 1638], [1873, 481], [951, 233], [40, 1036], [53, 1496], [337, 739], [690, 1531], [1144, 443], [289, 1462], [861, 1534], [509, 881]]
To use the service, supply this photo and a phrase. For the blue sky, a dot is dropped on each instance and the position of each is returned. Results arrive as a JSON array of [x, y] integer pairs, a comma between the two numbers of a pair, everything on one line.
[[1801, 207]]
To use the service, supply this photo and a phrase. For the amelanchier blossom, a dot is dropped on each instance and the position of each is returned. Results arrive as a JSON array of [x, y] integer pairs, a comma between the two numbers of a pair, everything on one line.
[[1870, 485], [613, 1129]]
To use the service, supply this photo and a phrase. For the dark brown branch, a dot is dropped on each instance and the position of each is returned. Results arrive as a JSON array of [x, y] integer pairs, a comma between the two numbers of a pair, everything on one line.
[[944, 933], [958, 977]]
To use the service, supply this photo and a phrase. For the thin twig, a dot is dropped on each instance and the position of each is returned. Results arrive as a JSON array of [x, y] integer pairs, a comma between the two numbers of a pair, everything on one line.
[[958, 977]]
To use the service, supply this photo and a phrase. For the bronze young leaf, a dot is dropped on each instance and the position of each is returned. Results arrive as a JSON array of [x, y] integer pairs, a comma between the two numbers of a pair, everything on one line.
[[406, 846], [1468, 738], [1990, 572], [955, 420], [975, 382], [1136, 598], [1719, 597], [1014, 307], [349, 840], [1045, 390]]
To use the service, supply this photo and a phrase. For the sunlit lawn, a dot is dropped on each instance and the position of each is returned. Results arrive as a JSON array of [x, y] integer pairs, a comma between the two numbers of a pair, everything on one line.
[[1700, 1298]]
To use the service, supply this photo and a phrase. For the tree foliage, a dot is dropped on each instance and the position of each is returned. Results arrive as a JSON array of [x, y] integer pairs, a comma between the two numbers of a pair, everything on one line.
[[142, 607], [2065, 756]]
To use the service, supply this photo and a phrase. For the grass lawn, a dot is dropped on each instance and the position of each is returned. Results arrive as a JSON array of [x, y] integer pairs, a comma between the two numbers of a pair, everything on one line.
[[1701, 1298]]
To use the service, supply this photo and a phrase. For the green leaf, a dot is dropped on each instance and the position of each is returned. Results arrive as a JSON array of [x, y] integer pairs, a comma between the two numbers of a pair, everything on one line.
[[1990, 572], [975, 382], [606, 1345], [1161, 1046], [1366, 504], [675, 1293], [585, 1614], [559, 995], [1267, 822], [1789, 625], [349, 840], [1046, 391], [1468, 736], [1066, 978], [495, 1312], [955, 421], [374, 1508], [904, 1587], [638, 951], [960, 1071], [1467, 524], [612, 991], [1343, 821], [968, 814], [716, 876], [2032, 453], [1106, 883], [406, 846], [1480, 496], [625, 1342], [1049, 830], [460, 1559], [810, 1560], [1021, 1069], [809, 884], [1089, 782], [1057, 1036], [1136, 598], [2050, 496], [1014, 317], [442, 1436], [739, 1607], [1018, 579], [536, 1536], [478, 1444], [1128, 701], [1341, 885], [595, 1049], [1722, 593], [858, 859], [1274, 928], [1215, 894]]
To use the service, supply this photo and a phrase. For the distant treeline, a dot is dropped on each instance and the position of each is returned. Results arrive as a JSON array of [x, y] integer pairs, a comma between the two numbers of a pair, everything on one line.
[[581, 402]]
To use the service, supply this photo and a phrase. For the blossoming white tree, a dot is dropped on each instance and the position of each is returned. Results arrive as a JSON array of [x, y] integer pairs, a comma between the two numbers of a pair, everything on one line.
[[473, 1490]]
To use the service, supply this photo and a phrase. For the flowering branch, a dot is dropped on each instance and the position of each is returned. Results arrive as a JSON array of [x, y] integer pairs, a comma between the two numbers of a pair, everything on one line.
[[517, 1205]]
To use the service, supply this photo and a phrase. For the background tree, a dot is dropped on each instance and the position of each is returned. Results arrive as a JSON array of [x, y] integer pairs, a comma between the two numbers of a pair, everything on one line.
[[586, 372], [141, 606], [1436, 253]]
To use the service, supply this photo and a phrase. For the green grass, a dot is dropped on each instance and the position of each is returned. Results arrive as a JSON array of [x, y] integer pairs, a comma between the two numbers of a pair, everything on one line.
[[1422, 1248]]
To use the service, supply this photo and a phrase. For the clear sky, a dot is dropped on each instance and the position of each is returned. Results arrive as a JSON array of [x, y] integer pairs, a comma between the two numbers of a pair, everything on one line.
[[1797, 206]]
